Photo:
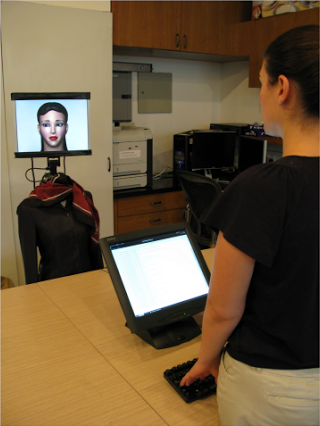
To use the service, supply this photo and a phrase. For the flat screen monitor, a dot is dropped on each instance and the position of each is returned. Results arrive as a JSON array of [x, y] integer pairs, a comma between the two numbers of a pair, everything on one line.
[[213, 149], [51, 124], [252, 151], [161, 280]]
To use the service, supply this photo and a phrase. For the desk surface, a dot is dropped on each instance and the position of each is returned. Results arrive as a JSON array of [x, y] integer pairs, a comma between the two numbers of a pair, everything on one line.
[[68, 359]]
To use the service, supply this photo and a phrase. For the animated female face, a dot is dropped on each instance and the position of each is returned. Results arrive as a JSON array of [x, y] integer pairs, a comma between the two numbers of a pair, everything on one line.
[[53, 128]]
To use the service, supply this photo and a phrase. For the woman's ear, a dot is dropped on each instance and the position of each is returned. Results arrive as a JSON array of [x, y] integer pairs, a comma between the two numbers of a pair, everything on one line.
[[284, 89]]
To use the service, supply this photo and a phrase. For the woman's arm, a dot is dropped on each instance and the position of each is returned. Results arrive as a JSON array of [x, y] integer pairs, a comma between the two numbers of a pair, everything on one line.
[[230, 279]]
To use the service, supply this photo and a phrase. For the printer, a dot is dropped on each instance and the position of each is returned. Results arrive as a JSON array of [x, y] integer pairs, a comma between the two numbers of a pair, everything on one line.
[[132, 157]]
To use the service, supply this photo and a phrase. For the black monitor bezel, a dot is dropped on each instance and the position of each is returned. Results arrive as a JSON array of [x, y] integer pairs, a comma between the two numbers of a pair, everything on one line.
[[15, 96], [248, 158], [165, 316], [210, 163]]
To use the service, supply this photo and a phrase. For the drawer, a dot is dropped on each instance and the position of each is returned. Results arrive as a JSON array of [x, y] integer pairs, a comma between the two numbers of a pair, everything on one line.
[[150, 220], [151, 203]]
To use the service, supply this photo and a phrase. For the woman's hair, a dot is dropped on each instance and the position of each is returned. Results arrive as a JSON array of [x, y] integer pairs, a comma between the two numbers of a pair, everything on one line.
[[52, 106], [295, 54]]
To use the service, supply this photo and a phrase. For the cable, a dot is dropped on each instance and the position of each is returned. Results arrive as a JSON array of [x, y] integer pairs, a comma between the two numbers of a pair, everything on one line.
[[159, 175], [32, 168], [34, 178]]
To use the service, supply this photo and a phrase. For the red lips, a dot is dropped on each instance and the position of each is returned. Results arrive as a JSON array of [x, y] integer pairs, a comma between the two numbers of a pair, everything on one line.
[[53, 138]]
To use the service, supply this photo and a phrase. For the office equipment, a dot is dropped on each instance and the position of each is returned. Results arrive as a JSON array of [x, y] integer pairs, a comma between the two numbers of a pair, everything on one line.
[[72, 328], [121, 96], [29, 139], [213, 149], [132, 157], [198, 390], [201, 193], [161, 280], [239, 128], [204, 149], [182, 151], [154, 92], [252, 151]]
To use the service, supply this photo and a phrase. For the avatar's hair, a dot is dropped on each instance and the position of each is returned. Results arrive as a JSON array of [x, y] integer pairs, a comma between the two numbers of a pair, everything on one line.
[[52, 106], [295, 54]]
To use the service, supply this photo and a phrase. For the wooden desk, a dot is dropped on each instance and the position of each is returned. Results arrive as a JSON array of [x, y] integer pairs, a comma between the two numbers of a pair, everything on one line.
[[68, 359]]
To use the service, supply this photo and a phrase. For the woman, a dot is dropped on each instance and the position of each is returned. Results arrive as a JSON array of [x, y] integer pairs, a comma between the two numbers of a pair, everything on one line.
[[53, 127], [264, 291]]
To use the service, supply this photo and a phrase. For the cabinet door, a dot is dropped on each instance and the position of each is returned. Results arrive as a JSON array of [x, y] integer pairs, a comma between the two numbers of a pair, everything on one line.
[[210, 26], [148, 24], [267, 29]]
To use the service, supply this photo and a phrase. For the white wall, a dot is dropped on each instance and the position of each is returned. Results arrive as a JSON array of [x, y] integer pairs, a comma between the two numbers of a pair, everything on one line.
[[239, 103], [8, 250], [103, 5]]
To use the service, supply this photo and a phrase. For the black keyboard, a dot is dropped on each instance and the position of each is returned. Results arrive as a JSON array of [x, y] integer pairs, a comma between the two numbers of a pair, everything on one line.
[[197, 390]]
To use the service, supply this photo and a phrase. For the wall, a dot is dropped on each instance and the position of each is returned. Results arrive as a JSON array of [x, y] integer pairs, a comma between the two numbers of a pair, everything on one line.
[[8, 250], [239, 103], [77, 58], [102, 5], [202, 93]]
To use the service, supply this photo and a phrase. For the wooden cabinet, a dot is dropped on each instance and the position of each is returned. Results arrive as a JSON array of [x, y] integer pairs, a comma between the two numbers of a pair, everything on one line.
[[189, 26], [263, 31], [147, 211], [222, 28], [210, 26], [148, 24]]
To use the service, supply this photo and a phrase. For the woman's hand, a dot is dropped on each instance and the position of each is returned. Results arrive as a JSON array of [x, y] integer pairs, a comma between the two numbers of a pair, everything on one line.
[[201, 371]]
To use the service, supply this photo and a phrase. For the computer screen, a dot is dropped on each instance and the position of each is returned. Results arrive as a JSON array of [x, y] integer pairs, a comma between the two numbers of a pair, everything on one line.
[[252, 151], [213, 149], [51, 124], [161, 280]]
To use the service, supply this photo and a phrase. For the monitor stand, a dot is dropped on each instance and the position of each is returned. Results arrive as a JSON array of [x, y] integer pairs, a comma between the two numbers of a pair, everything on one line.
[[171, 334], [53, 163]]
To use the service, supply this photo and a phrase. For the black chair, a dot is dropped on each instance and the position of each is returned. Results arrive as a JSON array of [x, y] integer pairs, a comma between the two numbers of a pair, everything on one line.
[[201, 193]]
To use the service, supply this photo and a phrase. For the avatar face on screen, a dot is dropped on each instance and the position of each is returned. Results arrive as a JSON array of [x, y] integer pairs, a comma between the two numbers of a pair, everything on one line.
[[53, 127]]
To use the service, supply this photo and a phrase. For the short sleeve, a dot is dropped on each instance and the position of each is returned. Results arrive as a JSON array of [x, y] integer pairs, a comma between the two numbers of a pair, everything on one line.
[[252, 210]]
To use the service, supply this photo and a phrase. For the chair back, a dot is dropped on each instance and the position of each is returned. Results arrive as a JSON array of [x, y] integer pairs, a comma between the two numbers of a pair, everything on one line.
[[201, 193]]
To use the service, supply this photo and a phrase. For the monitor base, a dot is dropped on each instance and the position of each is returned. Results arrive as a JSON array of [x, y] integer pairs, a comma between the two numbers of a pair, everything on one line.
[[172, 334]]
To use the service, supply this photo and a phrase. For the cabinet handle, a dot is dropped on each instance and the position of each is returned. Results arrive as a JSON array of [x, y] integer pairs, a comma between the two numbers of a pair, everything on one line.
[[109, 167], [153, 221], [178, 40], [156, 202], [185, 41]]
